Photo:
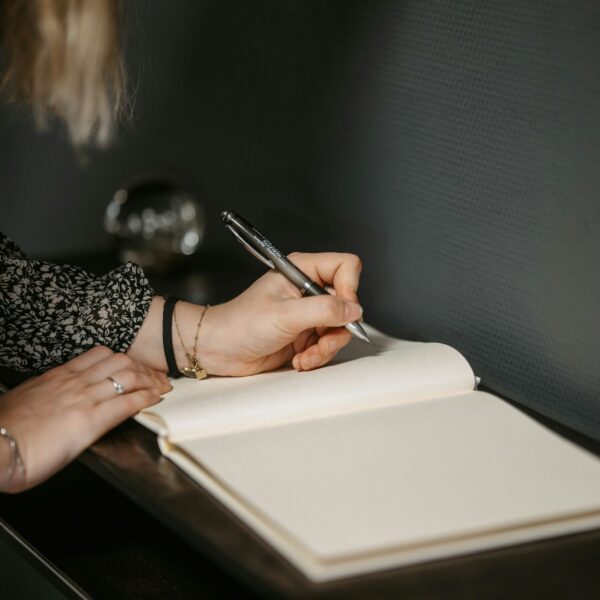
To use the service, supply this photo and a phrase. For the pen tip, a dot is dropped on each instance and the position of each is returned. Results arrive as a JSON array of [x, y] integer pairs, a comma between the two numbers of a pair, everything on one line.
[[225, 215], [356, 330]]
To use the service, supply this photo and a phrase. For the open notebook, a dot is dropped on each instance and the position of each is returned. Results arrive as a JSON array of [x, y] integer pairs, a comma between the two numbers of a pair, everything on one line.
[[386, 457]]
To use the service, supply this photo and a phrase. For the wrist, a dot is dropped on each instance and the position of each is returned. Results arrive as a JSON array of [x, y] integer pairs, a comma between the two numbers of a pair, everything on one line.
[[147, 347], [188, 317]]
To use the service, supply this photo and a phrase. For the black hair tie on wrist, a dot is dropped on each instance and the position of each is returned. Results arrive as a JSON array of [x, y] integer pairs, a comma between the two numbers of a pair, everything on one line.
[[169, 306]]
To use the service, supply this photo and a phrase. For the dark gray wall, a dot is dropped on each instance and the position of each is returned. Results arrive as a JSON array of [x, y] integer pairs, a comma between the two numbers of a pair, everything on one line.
[[460, 157], [454, 145], [223, 101]]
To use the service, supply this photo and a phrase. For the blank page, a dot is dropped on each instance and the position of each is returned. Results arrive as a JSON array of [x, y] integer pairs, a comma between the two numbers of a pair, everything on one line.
[[403, 475], [387, 371]]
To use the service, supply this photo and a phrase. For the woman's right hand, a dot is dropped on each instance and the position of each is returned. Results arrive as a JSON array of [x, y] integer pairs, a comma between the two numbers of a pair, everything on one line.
[[57, 415]]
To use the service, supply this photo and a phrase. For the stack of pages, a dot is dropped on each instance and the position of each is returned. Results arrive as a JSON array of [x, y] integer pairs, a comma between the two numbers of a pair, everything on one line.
[[386, 457]]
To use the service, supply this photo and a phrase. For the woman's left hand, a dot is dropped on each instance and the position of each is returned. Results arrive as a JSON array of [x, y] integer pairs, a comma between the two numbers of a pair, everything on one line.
[[271, 324], [57, 415]]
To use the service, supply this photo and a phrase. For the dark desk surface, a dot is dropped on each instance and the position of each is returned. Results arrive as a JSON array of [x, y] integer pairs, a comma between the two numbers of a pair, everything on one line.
[[184, 544], [129, 459]]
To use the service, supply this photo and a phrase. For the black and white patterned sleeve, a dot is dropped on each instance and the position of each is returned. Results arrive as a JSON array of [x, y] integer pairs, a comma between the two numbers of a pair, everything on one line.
[[51, 313]]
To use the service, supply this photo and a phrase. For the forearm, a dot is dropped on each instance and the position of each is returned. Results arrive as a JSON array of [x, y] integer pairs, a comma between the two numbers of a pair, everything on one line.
[[147, 346]]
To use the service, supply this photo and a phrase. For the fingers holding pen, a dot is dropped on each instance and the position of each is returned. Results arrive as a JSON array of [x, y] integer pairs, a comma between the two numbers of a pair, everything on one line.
[[339, 270], [299, 314], [328, 314], [322, 351]]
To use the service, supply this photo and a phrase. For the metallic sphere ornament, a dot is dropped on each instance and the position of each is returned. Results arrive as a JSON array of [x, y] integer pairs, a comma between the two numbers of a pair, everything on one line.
[[155, 223]]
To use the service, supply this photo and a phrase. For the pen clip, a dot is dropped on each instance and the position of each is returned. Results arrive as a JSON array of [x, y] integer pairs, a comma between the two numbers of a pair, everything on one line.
[[250, 249]]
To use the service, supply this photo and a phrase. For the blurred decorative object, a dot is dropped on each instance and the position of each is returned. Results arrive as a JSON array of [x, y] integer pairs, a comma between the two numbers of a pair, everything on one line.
[[155, 222]]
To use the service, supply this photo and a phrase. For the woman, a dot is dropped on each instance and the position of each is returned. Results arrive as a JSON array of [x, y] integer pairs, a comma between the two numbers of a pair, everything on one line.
[[99, 341]]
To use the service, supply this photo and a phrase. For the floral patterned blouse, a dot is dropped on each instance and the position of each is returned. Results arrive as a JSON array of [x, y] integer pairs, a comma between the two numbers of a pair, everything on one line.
[[51, 313]]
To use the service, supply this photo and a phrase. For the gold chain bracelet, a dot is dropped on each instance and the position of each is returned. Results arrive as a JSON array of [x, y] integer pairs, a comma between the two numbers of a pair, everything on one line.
[[193, 369]]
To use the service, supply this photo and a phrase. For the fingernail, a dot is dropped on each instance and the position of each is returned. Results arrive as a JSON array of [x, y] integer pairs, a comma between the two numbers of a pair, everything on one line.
[[353, 311]]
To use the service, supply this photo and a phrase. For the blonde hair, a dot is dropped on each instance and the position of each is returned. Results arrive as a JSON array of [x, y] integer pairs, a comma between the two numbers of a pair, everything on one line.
[[64, 58]]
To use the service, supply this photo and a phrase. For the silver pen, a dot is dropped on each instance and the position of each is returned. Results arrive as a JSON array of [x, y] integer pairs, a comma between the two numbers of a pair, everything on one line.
[[258, 245]]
